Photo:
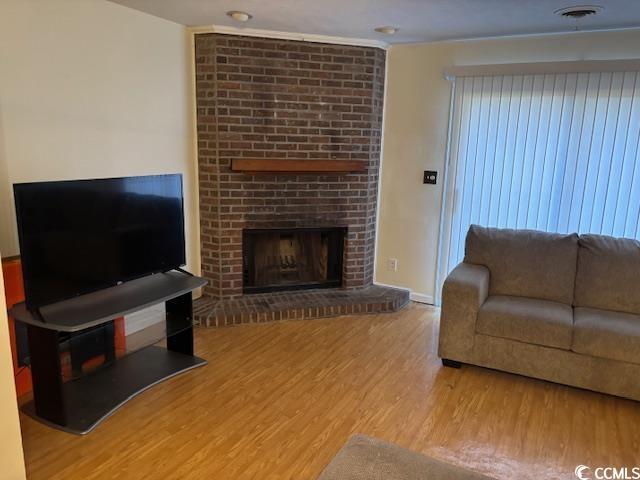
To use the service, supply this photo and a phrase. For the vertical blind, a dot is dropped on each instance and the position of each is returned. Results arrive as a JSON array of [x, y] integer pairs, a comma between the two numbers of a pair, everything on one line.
[[553, 152]]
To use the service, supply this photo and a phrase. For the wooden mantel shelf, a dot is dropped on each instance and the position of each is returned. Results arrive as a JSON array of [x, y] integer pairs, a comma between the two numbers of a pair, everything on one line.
[[269, 165]]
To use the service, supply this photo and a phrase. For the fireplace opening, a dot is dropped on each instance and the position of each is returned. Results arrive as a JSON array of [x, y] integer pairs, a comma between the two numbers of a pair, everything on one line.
[[292, 259]]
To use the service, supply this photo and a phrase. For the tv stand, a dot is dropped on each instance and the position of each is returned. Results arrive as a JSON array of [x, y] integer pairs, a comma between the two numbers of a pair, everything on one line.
[[184, 271], [78, 404]]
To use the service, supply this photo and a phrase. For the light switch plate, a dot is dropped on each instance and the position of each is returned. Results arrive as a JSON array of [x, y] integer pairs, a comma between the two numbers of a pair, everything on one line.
[[430, 177]]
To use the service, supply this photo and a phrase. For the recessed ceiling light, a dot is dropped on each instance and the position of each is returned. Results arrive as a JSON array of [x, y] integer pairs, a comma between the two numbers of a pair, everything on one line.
[[239, 16], [579, 11], [387, 30]]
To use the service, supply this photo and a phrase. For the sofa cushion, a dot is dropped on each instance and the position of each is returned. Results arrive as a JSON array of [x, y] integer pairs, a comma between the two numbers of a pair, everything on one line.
[[528, 320], [525, 263], [607, 334], [608, 276]]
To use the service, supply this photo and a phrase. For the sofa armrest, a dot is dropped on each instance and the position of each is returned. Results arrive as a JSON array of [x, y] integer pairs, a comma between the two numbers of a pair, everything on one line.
[[464, 291]]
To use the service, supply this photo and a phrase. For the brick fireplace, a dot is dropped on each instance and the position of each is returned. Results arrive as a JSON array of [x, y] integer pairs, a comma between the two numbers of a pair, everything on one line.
[[268, 99]]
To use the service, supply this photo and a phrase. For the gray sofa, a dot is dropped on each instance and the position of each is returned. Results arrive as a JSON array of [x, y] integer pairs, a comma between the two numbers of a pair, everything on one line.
[[563, 308]]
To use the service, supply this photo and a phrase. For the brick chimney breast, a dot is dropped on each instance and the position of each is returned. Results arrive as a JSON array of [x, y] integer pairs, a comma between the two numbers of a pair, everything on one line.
[[284, 99]]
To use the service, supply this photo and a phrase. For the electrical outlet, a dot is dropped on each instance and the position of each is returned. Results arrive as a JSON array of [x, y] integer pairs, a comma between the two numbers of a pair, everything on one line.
[[392, 264]]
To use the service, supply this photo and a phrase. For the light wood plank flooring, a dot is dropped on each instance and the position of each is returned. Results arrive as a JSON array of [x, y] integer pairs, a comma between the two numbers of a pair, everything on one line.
[[277, 401]]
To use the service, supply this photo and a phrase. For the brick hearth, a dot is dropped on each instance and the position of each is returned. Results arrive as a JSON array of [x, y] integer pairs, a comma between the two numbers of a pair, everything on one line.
[[299, 305]]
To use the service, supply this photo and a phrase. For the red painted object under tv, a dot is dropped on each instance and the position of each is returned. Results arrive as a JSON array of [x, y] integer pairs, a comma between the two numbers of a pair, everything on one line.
[[14, 293]]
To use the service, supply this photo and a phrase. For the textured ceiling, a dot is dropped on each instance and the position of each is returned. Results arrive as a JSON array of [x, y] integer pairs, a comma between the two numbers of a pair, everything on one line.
[[417, 20]]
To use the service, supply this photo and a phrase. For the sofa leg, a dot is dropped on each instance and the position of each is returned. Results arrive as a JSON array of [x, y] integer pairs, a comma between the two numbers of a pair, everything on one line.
[[451, 363]]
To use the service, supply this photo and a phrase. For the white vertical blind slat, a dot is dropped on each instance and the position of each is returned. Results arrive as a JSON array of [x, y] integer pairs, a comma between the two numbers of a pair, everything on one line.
[[611, 124], [626, 176], [576, 141], [465, 117], [590, 168], [537, 159], [502, 106], [456, 126]]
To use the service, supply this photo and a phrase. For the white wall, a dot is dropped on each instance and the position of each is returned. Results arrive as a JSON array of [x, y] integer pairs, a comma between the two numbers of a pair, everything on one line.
[[92, 89], [415, 135], [11, 456]]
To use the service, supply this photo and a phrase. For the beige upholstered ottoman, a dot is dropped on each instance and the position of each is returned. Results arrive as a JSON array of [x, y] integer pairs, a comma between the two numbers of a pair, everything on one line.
[[366, 458]]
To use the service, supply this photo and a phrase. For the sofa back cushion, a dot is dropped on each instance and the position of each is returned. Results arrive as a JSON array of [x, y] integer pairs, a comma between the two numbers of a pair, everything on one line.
[[525, 263], [608, 276]]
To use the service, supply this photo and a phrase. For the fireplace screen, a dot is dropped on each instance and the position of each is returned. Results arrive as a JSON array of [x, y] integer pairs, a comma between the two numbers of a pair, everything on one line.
[[292, 259]]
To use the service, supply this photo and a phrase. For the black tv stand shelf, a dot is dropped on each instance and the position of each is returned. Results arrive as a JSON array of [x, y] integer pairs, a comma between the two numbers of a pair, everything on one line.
[[79, 404]]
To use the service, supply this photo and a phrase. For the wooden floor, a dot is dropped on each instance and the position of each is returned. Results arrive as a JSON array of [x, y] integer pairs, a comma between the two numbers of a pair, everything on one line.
[[277, 401]]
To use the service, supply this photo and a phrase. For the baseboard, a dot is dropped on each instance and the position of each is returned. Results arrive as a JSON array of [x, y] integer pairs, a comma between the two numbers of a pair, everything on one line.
[[422, 298], [415, 297]]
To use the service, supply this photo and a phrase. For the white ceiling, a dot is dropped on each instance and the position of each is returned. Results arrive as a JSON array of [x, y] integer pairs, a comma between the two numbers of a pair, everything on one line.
[[417, 20]]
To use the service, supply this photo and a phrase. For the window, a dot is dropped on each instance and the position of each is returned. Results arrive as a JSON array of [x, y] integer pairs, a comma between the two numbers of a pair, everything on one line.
[[555, 152]]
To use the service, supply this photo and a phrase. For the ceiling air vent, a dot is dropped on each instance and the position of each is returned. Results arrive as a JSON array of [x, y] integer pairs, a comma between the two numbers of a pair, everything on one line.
[[578, 12]]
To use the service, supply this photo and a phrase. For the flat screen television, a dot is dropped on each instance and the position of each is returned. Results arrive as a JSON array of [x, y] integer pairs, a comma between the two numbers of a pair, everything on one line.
[[81, 236]]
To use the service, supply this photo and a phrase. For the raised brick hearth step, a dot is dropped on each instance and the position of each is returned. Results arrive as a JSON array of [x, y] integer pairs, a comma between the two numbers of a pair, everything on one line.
[[298, 305]]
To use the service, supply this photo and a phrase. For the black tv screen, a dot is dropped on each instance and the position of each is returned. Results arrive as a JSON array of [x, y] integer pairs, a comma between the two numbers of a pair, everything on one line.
[[81, 236]]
